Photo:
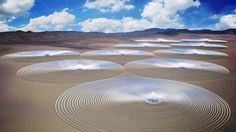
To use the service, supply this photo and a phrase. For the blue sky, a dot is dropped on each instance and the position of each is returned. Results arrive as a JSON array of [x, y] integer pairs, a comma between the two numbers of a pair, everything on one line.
[[116, 15]]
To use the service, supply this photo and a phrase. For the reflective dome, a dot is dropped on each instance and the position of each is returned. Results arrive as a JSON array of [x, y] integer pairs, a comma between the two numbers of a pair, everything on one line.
[[117, 55], [39, 55], [159, 40], [177, 69], [142, 45], [191, 53], [64, 71], [201, 45], [141, 104], [204, 40]]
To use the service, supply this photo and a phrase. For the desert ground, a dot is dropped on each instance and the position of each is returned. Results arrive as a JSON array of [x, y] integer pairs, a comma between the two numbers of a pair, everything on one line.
[[29, 106]]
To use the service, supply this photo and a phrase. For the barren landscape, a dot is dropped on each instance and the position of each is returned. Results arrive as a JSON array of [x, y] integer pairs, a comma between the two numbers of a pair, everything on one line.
[[29, 106]]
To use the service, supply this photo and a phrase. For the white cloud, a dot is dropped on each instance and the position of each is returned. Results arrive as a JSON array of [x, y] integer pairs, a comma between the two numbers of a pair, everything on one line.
[[226, 21], [129, 24], [55, 21], [3, 27], [156, 14], [9, 9], [125, 24], [100, 25], [164, 13], [109, 5]]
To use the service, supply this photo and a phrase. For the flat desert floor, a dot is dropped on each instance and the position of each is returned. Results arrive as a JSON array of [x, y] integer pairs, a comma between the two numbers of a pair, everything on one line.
[[27, 106]]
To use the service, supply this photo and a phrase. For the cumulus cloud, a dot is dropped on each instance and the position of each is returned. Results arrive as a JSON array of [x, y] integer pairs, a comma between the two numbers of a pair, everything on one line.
[[4, 27], [55, 21], [125, 24], [130, 24], [164, 13], [9, 9], [109, 5], [100, 25], [226, 21], [156, 13]]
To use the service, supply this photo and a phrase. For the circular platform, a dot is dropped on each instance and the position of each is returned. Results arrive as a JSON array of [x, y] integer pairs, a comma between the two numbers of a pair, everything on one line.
[[176, 69], [117, 55], [70, 71], [204, 40], [141, 105], [40, 55], [160, 40], [142, 46], [200, 45], [198, 54]]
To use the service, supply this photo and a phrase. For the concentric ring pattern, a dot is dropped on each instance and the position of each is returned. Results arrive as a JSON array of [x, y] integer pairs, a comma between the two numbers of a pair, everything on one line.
[[117, 55], [70, 71], [116, 52], [38, 55], [200, 45], [142, 46], [204, 40], [178, 69], [130, 104], [159, 40], [191, 53]]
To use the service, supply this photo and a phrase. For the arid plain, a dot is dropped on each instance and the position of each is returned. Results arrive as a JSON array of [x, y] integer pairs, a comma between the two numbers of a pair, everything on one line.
[[29, 106]]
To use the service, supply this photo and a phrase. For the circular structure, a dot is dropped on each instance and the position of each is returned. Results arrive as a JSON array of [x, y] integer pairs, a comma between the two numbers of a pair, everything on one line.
[[70, 71], [117, 55], [142, 46], [160, 40], [190, 53], [176, 69], [39, 55], [200, 45], [204, 40], [141, 105], [153, 100]]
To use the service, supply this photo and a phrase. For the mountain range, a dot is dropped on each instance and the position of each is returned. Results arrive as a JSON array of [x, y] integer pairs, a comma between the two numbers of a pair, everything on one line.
[[14, 37]]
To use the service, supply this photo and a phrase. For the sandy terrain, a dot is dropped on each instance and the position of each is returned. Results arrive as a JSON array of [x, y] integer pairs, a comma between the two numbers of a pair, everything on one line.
[[27, 106]]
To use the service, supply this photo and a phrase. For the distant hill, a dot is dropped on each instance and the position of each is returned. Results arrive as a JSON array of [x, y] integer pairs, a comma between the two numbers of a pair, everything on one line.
[[42, 37], [29, 37], [186, 31]]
